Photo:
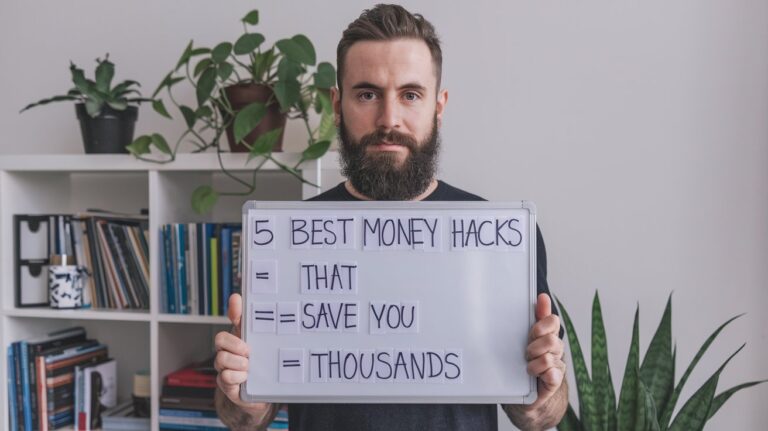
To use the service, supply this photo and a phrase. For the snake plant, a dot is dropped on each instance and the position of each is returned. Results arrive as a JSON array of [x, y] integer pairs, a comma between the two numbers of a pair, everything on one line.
[[648, 394]]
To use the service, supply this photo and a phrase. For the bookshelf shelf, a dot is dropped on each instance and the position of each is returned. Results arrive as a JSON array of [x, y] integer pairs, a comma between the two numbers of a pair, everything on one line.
[[67, 184]]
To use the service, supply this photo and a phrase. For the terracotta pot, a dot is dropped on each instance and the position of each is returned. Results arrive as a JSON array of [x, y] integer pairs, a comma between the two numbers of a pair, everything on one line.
[[242, 95]]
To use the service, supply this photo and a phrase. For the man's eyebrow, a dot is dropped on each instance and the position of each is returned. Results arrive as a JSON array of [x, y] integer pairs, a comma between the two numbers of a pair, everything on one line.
[[408, 86]]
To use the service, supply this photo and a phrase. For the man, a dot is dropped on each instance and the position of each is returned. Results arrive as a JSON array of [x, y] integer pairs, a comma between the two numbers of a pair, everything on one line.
[[389, 108]]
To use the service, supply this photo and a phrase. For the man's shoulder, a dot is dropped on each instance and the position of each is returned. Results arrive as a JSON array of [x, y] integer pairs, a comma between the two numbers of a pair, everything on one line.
[[447, 192]]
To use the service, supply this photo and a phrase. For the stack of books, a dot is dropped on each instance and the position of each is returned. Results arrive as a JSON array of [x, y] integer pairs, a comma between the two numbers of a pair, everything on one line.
[[41, 378], [202, 267], [123, 418], [187, 402]]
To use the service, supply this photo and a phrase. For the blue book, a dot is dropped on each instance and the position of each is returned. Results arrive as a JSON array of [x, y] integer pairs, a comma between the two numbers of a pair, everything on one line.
[[200, 270], [226, 267], [209, 229], [188, 413], [169, 282], [14, 424], [181, 233], [26, 396], [185, 427]]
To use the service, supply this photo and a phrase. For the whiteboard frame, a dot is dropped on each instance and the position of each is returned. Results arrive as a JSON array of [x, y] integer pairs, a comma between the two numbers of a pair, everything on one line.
[[395, 205]]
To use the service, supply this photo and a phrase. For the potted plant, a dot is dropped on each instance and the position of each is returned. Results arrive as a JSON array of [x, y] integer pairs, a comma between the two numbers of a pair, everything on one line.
[[107, 114], [648, 393], [246, 91]]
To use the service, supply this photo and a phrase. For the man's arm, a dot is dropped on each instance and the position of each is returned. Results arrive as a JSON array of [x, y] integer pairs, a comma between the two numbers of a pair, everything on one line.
[[542, 416], [545, 362], [232, 365]]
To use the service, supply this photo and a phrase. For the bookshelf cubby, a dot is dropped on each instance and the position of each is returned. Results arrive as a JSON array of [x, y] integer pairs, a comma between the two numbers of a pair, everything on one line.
[[151, 340]]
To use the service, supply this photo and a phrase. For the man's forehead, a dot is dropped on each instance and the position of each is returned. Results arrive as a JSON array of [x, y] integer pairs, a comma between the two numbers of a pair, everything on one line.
[[389, 63]]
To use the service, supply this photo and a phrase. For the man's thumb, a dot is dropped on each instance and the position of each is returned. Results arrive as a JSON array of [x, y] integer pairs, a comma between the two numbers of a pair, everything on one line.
[[235, 311], [543, 306]]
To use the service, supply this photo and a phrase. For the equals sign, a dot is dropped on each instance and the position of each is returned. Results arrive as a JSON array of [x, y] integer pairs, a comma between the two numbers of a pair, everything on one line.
[[287, 317], [262, 276], [261, 315], [291, 363]]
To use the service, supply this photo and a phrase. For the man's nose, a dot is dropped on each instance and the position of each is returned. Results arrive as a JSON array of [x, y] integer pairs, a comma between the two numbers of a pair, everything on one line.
[[389, 114]]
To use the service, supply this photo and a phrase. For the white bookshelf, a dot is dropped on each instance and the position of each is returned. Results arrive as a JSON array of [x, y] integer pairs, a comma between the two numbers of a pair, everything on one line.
[[152, 340]]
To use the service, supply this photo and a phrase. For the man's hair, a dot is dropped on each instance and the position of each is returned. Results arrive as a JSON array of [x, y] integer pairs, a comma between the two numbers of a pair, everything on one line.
[[389, 22]]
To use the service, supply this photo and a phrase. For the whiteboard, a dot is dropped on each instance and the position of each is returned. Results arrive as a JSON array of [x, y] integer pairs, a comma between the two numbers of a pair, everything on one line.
[[388, 302]]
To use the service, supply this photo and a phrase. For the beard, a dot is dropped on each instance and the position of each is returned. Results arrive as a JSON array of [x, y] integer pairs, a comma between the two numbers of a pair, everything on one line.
[[379, 175]]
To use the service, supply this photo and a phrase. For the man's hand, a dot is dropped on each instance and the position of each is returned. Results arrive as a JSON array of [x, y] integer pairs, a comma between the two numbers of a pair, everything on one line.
[[545, 350], [545, 361], [232, 364]]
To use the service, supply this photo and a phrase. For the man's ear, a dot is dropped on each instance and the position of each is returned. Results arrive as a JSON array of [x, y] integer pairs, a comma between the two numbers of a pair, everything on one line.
[[442, 100], [336, 102]]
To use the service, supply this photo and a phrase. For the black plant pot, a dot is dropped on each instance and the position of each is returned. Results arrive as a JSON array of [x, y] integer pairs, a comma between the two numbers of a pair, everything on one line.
[[110, 132]]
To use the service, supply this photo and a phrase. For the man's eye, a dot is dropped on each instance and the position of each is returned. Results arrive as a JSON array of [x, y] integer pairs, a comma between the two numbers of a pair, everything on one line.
[[367, 96], [411, 97]]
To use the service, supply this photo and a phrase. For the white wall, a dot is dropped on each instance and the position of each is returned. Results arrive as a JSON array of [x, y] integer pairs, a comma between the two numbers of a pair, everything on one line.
[[639, 128]]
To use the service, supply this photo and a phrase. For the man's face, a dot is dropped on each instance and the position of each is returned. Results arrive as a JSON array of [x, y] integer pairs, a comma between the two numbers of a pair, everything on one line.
[[388, 117]]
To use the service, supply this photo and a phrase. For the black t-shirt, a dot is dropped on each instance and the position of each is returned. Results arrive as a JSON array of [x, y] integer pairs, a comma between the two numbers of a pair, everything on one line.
[[387, 417]]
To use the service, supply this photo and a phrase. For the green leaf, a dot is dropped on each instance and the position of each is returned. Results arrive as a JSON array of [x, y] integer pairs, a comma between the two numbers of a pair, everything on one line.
[[225, 70], [326, 131], [570, 422], [288, 69], [265, 143], [670, 406], [201, 66], [307, 48], [221, 52], [93, 107], [695, 412], [252, 17], [159, 141], [657, 370], [123, 88], [721, 398], [189, 115], [159, 107], [118, 105], [287, 93], [184, 56], [47, 101], [203, 112], [105, 71], [247, 119], [247, 43], [583, 382], [605, 397], [203, 199], [315, 151], [205, 85], [294, 51], [629, 402], [140, 145], [325, 77], [650, 421], [78, 78], [167, 82]]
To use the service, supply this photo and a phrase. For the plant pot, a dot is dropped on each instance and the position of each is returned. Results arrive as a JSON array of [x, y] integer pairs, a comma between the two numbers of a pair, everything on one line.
[[242, 95], [108, 133]]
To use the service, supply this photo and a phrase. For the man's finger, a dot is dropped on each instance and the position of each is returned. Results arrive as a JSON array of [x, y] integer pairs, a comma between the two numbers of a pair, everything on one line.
[[228, 361], [543, 306], [547, 325], [235, 311], [231, 343], [549, 343]]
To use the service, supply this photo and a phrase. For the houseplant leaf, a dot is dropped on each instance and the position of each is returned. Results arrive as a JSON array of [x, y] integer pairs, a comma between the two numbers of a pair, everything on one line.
[[295, 51], [657, 369], [105, 71], [326, 131], [307, 48], [201, 66], [629, 401], [159, 141], [140, 145], [666, 415], [252, 17], [583, 382], [49, 100], [205, 85], [721, 398], [325, 77], [248, 43], [287, 93], [695, 412], [604, 395], [159, 107], [315, 151], [225, 70], [221, 51], [247, 119], [264, 143], [203, 199]]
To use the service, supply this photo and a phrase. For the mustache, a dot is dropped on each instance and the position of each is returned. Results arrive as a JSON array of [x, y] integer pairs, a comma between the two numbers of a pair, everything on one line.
[[391, 136]]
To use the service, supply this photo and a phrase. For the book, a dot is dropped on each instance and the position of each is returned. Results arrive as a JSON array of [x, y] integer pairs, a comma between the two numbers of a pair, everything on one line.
[[122, 418], [97, 392]]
